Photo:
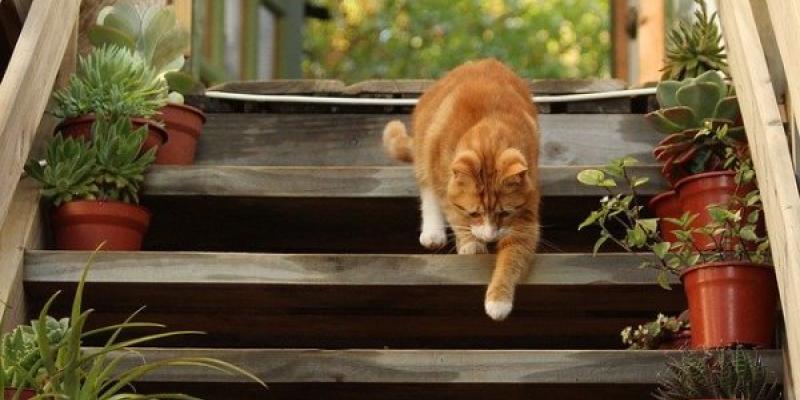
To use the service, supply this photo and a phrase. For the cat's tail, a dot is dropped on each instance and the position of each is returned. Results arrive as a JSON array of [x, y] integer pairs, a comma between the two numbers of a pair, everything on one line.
[[396, 142]]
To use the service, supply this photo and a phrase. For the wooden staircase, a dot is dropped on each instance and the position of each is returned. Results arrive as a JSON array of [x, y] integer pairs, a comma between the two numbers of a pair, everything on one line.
[[293, 244]]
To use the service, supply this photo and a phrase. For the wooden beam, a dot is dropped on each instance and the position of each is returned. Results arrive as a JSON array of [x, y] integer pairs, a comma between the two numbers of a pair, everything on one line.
[[24, 92], [651, 39], [423, 366], [343, 182], [785, 17], [620, 38], [318, 269], [318, 139], [772, 159]]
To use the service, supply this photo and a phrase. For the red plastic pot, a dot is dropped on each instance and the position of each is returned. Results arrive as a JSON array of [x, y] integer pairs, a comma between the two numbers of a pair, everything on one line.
[[697, 192], [24, 394], [81, 127], [666, 205], [85, 224], [731, 303], [183, 125]]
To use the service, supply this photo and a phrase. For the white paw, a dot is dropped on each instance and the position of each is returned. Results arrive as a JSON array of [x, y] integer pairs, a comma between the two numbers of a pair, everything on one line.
[[498, 310], [433, 238], [473, 248]]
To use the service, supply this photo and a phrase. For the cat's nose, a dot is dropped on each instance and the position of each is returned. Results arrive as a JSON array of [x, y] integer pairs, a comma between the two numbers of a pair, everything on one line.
[[485, 232]]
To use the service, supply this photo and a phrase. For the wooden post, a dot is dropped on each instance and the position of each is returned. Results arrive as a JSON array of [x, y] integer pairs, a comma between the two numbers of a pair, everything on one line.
[[290, 38], [250, 39], [652, 40], [773, 164], [620, 38]]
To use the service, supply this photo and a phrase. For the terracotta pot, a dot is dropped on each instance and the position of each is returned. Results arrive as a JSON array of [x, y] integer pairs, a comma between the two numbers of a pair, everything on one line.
[[697, 192], [84, 224], [731, 303], [666, 205], [680, 341], [24, 394], [81, 127], [183, 126]]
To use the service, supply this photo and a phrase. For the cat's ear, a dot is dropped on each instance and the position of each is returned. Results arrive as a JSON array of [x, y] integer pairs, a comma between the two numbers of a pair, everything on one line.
[[466, 164], [512, 167]]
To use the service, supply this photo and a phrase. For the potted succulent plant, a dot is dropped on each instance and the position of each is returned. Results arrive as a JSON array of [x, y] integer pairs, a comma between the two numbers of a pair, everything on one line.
[[720, 374], [665, 333], [114, 83], [154, 33], [94, 187], [694, 48], [64, 370], [20, 359], [730, 286]]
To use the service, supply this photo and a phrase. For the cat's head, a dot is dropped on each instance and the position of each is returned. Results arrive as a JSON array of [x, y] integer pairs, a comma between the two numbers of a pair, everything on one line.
[[489, 189]]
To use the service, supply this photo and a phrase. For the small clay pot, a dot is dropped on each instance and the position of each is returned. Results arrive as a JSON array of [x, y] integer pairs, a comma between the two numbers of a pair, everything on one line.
[[81, 127], [85, 224], [731, 303], [24, 394], [697, 192], [183, 126], [666, 205]]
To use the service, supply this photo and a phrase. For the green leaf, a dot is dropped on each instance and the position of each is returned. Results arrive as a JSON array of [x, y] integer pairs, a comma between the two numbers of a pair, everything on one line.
[[665, 93], [640, 181], [598, 244], [101, 36], [591, 177], [702, 98], [660, 249], [748, 233], [662, 278], [591, 219], [649, 225]]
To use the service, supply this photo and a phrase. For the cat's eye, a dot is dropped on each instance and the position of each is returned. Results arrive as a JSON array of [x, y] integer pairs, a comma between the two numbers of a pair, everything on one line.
[[504, 213], [475, 214]]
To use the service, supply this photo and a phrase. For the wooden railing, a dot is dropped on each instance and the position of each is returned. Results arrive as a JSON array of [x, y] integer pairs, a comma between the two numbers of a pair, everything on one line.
[[752, 30], [44, 51]]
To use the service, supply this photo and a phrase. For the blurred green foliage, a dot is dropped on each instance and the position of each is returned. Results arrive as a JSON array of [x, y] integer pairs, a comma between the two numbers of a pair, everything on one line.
[[372, 39]]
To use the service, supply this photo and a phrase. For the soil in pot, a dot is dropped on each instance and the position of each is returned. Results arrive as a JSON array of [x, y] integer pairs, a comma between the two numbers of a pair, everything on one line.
[[183, 125], [85, 224], [697, 192], [25, 394], [666, 205], [730, 304], [81, 127]]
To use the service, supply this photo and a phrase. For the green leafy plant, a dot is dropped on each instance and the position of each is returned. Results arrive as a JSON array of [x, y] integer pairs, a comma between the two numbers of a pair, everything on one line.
[[694, 48], [690, 110], [114, 82], [70, 372], [110, 167], [154, 33], [719, 374], [120, 163], [20, 359], [68, 171], [621, 220], [654, 333]]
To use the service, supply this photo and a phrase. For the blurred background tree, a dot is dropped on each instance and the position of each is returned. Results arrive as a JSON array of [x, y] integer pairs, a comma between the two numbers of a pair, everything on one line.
[[388, 39]]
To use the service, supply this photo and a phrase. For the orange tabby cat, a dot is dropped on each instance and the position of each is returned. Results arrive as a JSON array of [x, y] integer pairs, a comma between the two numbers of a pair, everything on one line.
[[475, 152]]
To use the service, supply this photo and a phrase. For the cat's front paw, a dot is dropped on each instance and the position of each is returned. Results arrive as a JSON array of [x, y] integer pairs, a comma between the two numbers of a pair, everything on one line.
[[498, 310], [473, 247], [433, 239]]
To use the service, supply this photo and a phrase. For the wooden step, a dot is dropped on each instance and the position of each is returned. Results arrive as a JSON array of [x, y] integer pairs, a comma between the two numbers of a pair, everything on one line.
[[344, 182], [256, 139], [428, 372], [303, 300]]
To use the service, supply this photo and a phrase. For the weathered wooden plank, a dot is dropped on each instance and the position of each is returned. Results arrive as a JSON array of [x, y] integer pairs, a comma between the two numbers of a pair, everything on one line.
[[284, 86], [326, 269], [403, 87], [355, 139], [19, 230], [25, 88], [328, 182], [770, 150], [784, 16], [423, 366]]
